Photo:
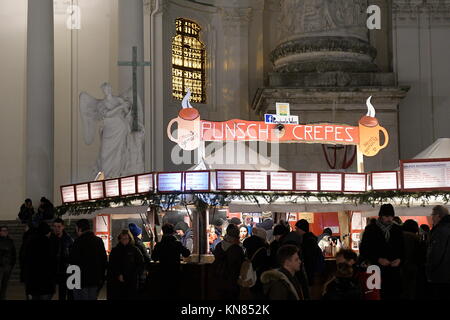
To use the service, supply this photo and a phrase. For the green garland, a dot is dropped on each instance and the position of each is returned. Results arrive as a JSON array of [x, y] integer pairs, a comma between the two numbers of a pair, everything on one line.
[[201, 201]]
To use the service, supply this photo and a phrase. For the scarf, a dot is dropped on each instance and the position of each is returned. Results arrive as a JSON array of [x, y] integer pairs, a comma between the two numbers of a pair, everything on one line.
[[386, 229]]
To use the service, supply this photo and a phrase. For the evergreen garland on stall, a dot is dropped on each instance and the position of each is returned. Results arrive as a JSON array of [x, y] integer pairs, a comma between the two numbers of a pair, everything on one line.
[[201, 201]]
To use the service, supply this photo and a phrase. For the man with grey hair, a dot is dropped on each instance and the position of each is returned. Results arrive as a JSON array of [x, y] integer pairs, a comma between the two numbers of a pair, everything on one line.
[[438, 255]]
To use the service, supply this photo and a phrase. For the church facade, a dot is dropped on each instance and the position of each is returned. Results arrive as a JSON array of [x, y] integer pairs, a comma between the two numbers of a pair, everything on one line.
[[239, 57]]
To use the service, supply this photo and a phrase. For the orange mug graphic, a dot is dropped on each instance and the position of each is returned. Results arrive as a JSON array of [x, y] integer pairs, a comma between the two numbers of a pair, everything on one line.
[[369, 133], [188, 126]]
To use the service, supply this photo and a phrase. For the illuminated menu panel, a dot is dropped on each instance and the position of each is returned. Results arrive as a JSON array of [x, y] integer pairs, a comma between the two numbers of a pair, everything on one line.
[[112, 188], [355, 182], [307, 181], [197, 181], [96, 190], [128, 185], [384, 180], [255, 180], [68, 194], [331, 182], [145, 183], [82, 191], [229, 180], [281, 181], [426, 175], [169, 181]]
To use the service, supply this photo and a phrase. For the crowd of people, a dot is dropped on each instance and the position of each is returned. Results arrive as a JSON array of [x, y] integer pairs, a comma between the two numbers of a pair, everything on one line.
[[251, 261]]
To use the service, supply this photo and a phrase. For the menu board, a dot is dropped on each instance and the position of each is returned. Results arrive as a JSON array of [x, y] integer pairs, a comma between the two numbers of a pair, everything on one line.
[[384, 180], [306, 181], [281, 181], [112, 188], [169, 181], [355, 182], [96, 190], [229, 180], [82, 192], [128, 185], [255, 180], [197, 181], [145, 183], [68, 194], [331, 182], [426, 175]]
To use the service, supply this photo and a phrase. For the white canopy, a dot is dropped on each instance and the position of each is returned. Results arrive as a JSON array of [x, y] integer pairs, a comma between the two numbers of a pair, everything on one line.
[[439, 149], [243, 158]]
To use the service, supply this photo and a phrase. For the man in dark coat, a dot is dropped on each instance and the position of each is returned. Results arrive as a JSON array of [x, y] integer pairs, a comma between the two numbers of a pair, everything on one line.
[[137, 237], [7, 260], [46, 210], [88, 253], [40, 264], [62, 243], [228, 258], [414, 257], [383, 245], [186, 235], [168, 252], [279, 231], [27, 236], [343, 286], [26, 212], [126, 265], [282, 284], [438, 255]]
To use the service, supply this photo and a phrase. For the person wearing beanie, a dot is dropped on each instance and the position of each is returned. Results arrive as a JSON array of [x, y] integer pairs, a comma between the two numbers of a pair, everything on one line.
[[235, 221], [343, 286], [186, 235], [228, 257], [136, 232], [383, 245], [218, 225], [40, 265]]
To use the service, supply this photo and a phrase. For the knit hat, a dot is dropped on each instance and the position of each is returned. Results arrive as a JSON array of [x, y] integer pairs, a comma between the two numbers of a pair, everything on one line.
[[235, 221], [386, 210], [302, 225], [134, 229], [259, 233], [181, 225], [233, 231], [280, 230]]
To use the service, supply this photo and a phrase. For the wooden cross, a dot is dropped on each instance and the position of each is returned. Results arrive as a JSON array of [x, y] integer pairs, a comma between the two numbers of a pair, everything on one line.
[[134, 63]]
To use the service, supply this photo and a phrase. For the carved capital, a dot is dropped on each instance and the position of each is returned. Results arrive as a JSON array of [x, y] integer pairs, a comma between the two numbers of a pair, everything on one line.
[[408, 12], [235, 20]]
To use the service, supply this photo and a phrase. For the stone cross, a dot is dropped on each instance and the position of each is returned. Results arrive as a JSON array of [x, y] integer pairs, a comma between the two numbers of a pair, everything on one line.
[[134, 64]]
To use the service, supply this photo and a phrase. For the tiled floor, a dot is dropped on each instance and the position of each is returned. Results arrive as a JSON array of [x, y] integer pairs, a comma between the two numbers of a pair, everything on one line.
[[16, 291]]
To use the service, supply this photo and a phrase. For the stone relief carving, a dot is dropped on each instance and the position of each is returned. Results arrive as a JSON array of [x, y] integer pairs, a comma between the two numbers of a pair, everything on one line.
[[407, 12]]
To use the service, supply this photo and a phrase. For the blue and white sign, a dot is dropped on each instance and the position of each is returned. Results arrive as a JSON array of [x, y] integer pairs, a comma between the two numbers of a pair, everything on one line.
[[276, 119]]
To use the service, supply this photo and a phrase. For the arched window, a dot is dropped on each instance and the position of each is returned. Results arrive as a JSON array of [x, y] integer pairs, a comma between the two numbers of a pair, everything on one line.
[[188, 61]]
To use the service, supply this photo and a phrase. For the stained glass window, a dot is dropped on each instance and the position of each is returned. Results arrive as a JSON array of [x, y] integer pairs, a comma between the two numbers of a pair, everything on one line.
[[188, 61]]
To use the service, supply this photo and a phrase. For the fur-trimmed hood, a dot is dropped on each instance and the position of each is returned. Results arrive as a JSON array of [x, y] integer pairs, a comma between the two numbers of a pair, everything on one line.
[[274, 275]]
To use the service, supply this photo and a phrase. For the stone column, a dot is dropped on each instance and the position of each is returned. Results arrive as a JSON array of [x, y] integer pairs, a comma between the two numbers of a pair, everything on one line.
[[131, 33], [323, 36], [40, 109]]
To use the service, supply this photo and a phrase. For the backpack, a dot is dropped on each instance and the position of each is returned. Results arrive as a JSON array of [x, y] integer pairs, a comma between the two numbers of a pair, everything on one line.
[[247, 275]]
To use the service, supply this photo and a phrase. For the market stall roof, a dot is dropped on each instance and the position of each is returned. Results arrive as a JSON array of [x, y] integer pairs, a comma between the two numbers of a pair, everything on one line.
[[438, 150], [252, 160]]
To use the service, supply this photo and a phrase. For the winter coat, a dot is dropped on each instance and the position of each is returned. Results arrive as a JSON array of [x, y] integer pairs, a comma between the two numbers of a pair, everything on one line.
[[260, 259], [188, 240], [374, 245], [228, 258], [438, 255], [311, 255], [40, 266], [7, 253], [340, 288], [168, 252], [128, 262], [25, 214], [138, 244], [279, 284], [273, 248], [88, 252], [26, 239], [46, 211], [411, 263], [62, 248]]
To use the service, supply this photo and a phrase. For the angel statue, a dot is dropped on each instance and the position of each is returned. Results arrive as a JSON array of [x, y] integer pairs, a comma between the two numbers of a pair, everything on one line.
[[121, 150]]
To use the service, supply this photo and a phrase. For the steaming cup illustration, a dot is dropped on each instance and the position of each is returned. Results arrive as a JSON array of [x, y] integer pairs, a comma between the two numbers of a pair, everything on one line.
[[369, 133], [188, 132]]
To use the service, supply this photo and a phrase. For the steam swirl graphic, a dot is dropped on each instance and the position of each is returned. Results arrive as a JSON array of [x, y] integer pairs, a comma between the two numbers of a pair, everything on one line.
[[185, 103], [370, 108]]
